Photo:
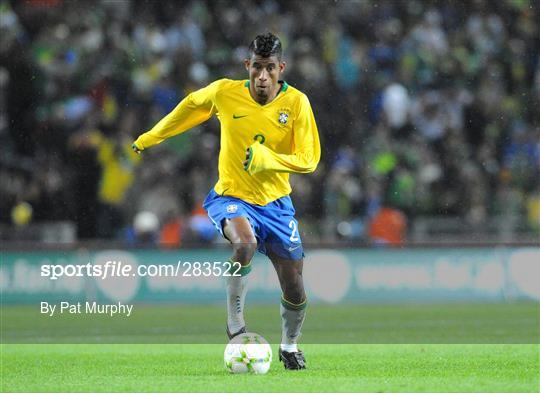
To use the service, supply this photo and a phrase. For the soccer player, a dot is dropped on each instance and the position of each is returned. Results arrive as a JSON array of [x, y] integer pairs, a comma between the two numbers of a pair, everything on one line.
[[267, 132]]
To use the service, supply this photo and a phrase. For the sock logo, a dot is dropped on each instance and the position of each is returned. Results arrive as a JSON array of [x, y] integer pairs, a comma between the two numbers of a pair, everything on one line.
[[238, 305]]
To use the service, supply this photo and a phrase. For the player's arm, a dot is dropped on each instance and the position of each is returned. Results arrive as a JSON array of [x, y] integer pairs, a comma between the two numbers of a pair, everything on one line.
[[306, 150], [193, 110]]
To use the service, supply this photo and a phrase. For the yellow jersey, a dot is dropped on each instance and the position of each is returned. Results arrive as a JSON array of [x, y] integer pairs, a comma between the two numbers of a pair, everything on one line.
[[282, 136], [117, 168]]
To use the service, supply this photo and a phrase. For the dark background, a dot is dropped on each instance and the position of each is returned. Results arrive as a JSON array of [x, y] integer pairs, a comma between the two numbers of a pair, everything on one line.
[[426, 108]]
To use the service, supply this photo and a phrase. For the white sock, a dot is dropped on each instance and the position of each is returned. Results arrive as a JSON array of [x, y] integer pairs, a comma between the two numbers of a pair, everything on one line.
[[291, 324], [289, 347], [236, 295]]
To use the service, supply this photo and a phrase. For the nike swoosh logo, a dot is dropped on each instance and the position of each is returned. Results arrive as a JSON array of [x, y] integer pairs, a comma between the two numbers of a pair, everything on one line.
[[238, 117], [294, 248]]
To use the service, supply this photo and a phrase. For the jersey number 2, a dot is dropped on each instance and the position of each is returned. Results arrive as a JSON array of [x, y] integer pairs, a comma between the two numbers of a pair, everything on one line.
[[294, 235], [260, 138]]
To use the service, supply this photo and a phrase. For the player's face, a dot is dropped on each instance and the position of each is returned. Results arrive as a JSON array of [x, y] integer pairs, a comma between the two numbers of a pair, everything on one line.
[[264, 74]]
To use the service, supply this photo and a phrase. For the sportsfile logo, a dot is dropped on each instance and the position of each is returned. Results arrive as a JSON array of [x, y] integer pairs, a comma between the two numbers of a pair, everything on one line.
[[108, 269], [122, 269]]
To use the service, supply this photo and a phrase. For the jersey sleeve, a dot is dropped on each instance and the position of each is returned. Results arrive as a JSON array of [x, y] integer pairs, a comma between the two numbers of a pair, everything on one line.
[[306, 151], [193, 110]]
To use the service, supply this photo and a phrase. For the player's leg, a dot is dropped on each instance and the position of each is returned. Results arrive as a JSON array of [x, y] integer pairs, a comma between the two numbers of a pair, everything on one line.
[[292, 309], [239, 232]]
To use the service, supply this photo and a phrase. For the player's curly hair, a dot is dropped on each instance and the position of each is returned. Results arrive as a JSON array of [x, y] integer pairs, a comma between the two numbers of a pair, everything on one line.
[[266, 45]]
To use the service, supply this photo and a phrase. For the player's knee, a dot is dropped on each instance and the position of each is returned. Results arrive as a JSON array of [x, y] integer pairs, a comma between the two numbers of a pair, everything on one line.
[[244, 250]]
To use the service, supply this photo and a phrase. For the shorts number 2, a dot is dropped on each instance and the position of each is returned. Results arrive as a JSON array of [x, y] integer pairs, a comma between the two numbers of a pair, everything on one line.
[[294, 235]]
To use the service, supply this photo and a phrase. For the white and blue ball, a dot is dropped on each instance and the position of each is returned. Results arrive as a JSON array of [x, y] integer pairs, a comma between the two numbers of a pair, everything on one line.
[[248, 353]]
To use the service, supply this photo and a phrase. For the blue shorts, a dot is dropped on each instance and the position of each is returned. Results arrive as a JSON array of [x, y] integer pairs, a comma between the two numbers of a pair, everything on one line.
[[274, 225]]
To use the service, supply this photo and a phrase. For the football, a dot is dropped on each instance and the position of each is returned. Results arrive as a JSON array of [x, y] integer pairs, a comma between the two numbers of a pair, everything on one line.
[[248, 353]]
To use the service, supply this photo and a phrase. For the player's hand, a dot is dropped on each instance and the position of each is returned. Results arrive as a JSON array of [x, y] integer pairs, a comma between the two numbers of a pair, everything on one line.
[[248, 158], [136, 149]]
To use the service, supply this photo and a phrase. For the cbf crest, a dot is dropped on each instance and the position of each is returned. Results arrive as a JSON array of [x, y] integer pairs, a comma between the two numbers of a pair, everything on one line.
[[232, 208], [283, 116]]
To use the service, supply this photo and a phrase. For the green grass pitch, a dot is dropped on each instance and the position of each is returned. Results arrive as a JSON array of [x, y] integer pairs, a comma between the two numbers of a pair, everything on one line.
[[373, 368], [350, 348]]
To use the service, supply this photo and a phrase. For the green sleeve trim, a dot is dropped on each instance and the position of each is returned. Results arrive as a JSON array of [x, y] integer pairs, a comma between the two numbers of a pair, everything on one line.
[[292, 306]]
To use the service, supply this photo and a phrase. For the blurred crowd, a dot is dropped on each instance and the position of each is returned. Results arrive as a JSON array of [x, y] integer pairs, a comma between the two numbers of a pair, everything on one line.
[[425, 108]]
